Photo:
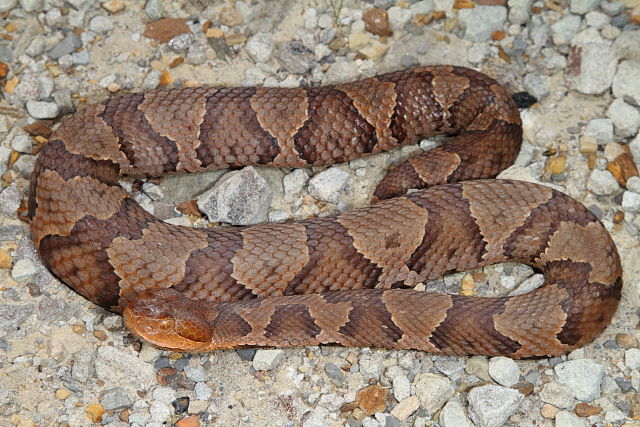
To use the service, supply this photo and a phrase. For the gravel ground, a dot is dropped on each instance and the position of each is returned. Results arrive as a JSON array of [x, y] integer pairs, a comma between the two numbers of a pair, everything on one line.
[[64, 361]]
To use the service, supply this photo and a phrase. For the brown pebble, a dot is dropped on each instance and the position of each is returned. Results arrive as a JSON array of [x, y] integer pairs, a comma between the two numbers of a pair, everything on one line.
[[523, 387], [235, 38], [190, 421], [165, 29], [165, 375], [100, 335], [165, 78], [626, 341], [78, 328], [548, 411], [4, 69], [124, 415], [62, 393], [95, 411], [113, 6], [556, 165], [34, 290], [585, 410], [463, 4], [190, 207], [372, 399], [498, 35], [377, 22], [5, 259], [623, 168], [349, 406], [214, 33]]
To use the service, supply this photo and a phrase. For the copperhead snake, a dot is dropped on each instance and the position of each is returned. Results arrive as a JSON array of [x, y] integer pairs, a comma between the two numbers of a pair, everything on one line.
[[344, 279]]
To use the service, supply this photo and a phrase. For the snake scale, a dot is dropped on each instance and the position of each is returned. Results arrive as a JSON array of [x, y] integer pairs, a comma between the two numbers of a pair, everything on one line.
[[344, 279]]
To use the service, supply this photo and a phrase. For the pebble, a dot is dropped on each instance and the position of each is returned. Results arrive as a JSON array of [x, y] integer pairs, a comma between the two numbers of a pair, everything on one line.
[[5, 259], [117, 366], [630, 201], [625, 340], [327, 185], [202, 391], [563, 31], [333, 371], [116, 398], [405, 408], [632, 358], [266, 360], [625, 118], [95, 412], [260, 46], [10, 198], [23, 270], [159, 411], [504, 371], [42, 109], [481, 21], [491, 406], [548, 411], [594, 70], [24, 165], [22, 144], [452, 415], [65, 46], [557, 395], [584, 410], [581, 7], [372, 399], [433, 391], [7, 5], [377, 22], [154, 9], [101, 24], [626, 84], [569, 419], [601, 130], [181, 42], [398, 17], [295, 57], [193, 372], [602, 183], [239, 198], [582, 376]]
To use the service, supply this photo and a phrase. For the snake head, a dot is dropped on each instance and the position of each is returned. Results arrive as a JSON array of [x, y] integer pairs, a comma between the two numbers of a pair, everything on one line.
[[168, 319]]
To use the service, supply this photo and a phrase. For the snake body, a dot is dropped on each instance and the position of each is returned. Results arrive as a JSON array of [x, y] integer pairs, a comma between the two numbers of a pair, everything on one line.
[[344, 279]]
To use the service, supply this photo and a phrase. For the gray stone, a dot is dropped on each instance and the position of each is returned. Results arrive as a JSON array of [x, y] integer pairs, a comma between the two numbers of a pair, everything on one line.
[[116, 398], [582, 376], [31, 5], [331, 401], [536, 84], [43, 110], [491, 406], [23, 270], [5, 153], [327, 185], [557, 395], [154, 9], [433, 391], [333, 371], [452, 415], [626, 118], [195, 373], [612, 8], [159, 411], [266, 360], [65, 46], [601, 130], [22, 144], [478, 366], [632, 358], [627, 45], [630, 201], [80, 58], [295, 57], [626, 84], [569, 419], [181, 42], [113, 366], [7, 5], [401, 387], [260, 47], [178, 188], [581, 7], [24, 165], [36, 46], [602, 183], [82, 369], [10, 199], [478, 23], [164, 394], [563, 31], [633, 184], [634, 145], [398, 17], [504, 371], [13, 316], [202, 391], [371, 365], [595, 69], [239, 198], [597, 20], [101, 24]]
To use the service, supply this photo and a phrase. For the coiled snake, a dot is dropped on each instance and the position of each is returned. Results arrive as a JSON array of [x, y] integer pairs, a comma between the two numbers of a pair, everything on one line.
[[344, 279]]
